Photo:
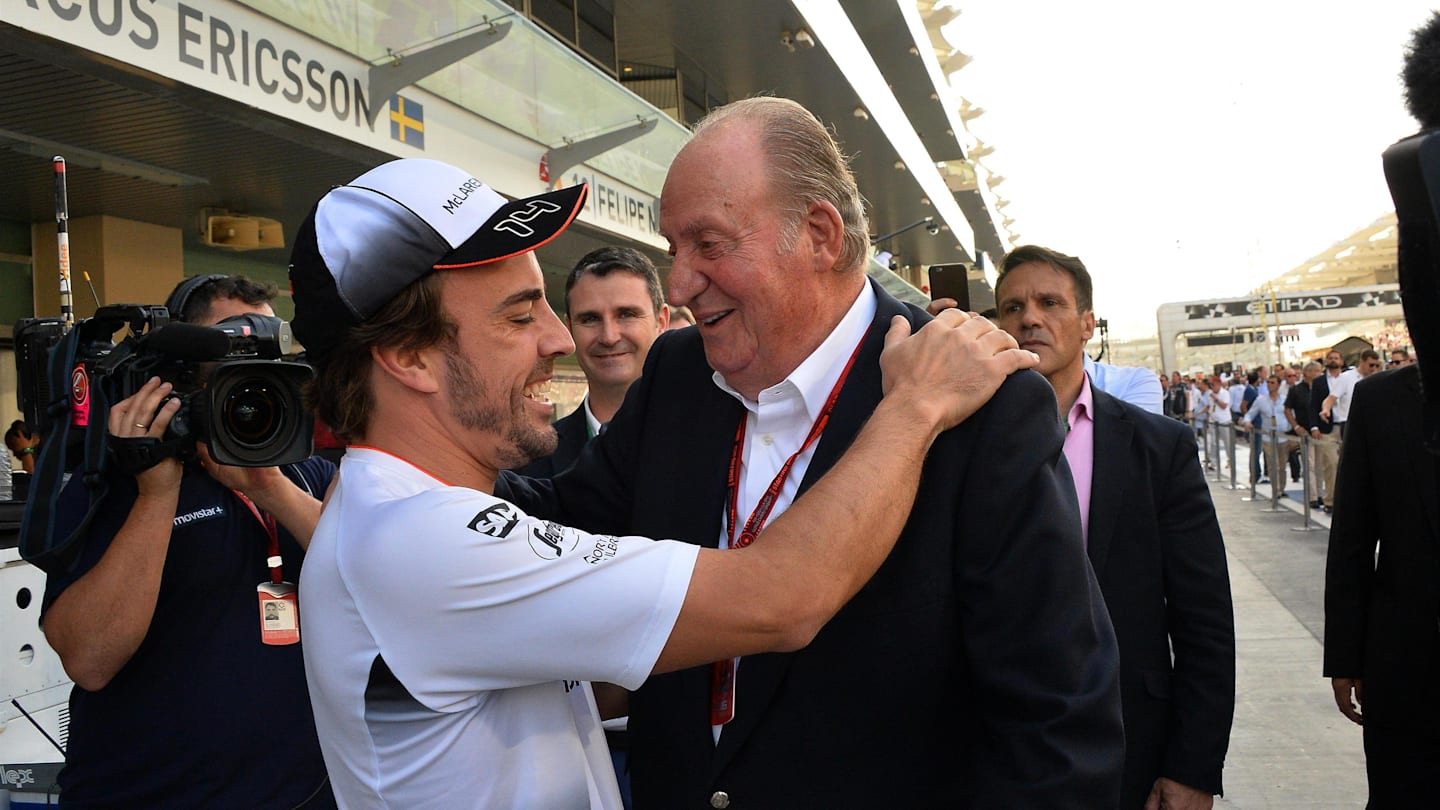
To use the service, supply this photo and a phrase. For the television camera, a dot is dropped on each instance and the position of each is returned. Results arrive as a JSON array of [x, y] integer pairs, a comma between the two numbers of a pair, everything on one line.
[[238, 393]]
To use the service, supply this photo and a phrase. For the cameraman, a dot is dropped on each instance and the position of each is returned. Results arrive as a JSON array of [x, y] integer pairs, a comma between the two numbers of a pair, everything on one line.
[[177, 701]]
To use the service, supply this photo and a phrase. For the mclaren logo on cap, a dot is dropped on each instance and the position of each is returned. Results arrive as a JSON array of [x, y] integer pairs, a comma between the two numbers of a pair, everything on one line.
[[461, 195], [518, 221]]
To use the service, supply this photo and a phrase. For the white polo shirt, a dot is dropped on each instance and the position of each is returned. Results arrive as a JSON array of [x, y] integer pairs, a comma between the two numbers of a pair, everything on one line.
[[449, 639], [1343, 388]]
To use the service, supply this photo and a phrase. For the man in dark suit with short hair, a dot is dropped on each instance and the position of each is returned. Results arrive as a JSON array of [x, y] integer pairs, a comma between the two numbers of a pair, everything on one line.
[[614, 309], [1152, 538], [1382, 646]]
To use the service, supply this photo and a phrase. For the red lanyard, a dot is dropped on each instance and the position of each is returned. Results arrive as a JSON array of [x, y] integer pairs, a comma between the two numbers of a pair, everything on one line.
[[763, 507], [722, 673], [267, 521]]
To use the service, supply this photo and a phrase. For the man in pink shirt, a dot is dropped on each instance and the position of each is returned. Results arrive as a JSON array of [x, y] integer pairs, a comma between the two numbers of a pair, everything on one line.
[[1151, 536]]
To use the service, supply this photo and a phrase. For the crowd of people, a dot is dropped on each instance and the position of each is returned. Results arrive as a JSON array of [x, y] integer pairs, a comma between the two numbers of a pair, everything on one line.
[[1282, 411]]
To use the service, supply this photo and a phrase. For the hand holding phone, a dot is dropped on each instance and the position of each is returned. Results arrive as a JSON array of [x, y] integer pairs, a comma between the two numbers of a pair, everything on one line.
[[951, 281]]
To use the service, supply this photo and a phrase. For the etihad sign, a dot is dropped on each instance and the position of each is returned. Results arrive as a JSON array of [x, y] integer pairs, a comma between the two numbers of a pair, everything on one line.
[[1290, 304]]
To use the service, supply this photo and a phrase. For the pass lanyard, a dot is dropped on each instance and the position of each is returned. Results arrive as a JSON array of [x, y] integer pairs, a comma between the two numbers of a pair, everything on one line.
[[722, 673], [267, 521], [763, 507], [279, 609]]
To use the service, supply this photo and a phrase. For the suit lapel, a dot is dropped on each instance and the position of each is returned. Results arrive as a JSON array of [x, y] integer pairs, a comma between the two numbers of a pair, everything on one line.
[[572, 436], [760, 676], [1109, 476], [858, 397], [688, 505], [696, 503]]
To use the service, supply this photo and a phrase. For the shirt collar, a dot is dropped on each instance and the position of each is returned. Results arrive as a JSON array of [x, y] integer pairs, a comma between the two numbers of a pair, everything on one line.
[[1084, 404], [814, 378], [590, 418]]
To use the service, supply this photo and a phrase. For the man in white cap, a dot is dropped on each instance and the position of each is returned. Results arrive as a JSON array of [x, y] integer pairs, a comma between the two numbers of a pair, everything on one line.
[[450, 636]]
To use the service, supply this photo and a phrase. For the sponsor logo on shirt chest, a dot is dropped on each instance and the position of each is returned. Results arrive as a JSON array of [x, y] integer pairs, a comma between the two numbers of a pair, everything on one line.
[[199, 515]]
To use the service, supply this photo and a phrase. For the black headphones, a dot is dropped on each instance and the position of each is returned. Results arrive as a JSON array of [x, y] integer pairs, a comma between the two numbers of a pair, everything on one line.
[[183, 291]]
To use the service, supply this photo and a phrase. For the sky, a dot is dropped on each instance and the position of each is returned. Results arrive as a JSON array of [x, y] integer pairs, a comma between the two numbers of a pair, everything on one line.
[[1186, 150]]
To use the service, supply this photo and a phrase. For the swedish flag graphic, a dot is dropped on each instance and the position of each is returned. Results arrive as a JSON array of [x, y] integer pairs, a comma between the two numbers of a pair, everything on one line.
[[407, 121]]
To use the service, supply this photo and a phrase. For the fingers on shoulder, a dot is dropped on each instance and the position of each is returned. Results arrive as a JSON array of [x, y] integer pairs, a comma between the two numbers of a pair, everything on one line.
[[951, 318], [898, 331], [1017, 359]]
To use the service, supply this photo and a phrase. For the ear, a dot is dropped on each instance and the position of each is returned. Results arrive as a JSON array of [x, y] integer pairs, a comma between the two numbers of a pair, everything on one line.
[[416, 369], [662, 318], [826, 230], [1087, 325]]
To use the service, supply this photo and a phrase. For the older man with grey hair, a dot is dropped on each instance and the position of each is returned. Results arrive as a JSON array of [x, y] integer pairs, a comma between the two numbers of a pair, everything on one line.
[[942, 683]]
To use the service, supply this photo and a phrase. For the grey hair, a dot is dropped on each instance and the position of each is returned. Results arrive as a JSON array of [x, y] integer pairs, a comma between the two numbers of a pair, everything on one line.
[[806, 166]]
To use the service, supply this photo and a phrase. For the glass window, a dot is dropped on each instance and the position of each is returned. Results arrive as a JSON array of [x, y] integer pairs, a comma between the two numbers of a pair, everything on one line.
[[559, 15], [528, 83]]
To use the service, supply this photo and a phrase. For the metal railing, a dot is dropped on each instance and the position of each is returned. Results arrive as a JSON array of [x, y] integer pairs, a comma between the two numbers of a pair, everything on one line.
[[1308, 525], [1217, 451], [1277, 461], [1274, 461]]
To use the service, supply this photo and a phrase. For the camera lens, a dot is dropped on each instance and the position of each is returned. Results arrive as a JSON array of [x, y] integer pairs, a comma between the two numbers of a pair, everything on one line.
[[256, 415], [253, 412]]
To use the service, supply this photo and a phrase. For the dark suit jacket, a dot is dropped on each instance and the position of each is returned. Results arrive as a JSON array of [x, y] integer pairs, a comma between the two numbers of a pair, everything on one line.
[[976, 669], [1380, 616], [1298, 401], [573, 433], [1156, 547]]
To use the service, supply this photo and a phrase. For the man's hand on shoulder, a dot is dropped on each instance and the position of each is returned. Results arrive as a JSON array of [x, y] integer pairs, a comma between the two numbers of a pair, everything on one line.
[[951, 367], [1167, 794]]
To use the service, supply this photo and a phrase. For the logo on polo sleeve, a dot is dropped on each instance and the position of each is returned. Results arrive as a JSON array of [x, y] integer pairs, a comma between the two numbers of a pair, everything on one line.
[[550, 541], [495, 521]]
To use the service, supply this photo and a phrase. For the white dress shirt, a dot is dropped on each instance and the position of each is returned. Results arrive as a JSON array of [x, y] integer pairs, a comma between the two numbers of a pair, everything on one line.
[[780, 419], [1342, 388], [777, 423]]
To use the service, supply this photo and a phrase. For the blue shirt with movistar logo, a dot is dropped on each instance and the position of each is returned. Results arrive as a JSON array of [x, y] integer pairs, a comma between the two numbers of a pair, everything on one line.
[[204, 714]]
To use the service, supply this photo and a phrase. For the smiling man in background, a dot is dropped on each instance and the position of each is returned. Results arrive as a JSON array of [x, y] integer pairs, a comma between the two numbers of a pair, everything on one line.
[[614, 309]]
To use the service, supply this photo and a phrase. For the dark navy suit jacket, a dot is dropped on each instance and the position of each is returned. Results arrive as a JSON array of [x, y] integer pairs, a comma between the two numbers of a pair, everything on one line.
[[1156, 547], [573, 434], [1381, 611], [976, 669]]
